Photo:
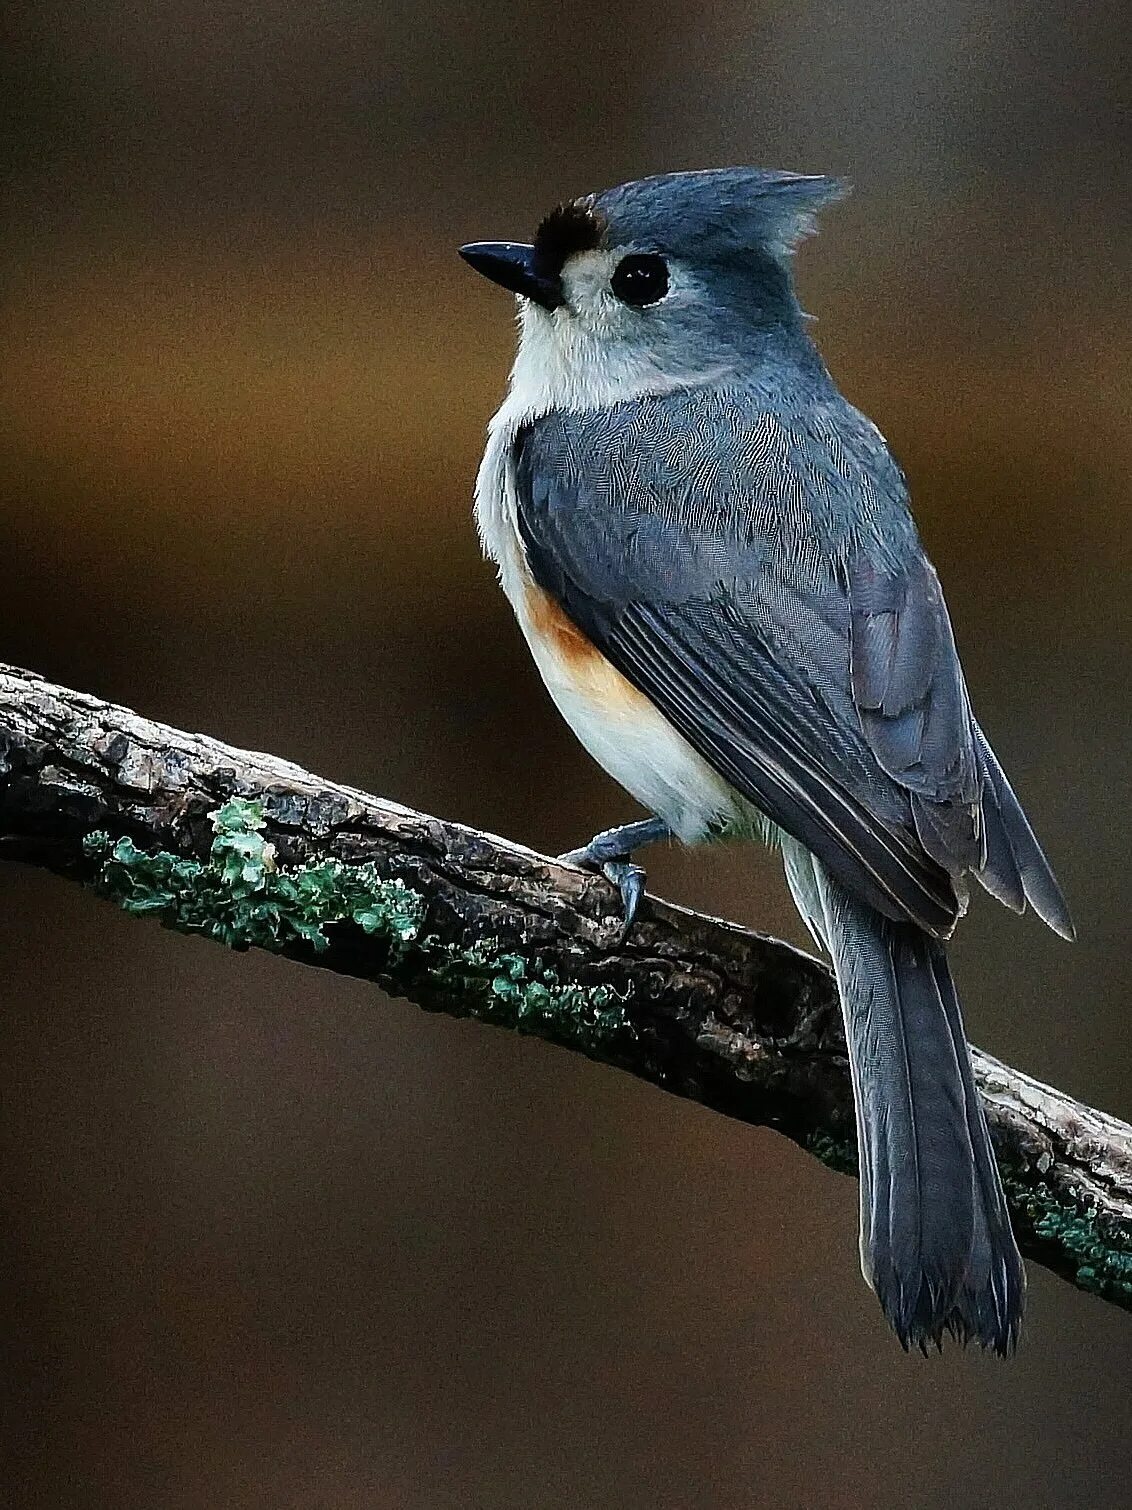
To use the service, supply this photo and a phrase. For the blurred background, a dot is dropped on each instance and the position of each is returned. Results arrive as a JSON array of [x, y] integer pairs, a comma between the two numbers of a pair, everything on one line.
[[269, 1239]]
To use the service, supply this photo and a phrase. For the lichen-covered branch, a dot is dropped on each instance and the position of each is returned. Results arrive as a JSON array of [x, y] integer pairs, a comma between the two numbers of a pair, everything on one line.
[[254, 852]]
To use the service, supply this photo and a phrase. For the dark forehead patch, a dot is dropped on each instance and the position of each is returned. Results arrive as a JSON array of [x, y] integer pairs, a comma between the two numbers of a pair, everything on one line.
[[571, 228]]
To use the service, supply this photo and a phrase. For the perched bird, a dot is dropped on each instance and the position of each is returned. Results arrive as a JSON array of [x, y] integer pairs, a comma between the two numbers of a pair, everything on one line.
[[710, 553]]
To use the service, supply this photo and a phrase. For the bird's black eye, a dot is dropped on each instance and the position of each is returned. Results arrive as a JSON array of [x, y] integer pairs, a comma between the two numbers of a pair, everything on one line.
[[640, 280]]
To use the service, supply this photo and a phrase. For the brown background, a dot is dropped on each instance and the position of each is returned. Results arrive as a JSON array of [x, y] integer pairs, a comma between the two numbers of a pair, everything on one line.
[[268, 1239]]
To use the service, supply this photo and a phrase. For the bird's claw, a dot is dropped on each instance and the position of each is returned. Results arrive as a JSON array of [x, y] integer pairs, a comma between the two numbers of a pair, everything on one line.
[[630, 882], [606, 857]]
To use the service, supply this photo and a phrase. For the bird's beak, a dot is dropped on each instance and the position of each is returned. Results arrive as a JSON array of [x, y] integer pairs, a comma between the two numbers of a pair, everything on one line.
[[512, 265]]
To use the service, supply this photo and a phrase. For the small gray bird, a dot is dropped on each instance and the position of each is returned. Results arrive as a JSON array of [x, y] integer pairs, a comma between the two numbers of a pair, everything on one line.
[[711, 556]]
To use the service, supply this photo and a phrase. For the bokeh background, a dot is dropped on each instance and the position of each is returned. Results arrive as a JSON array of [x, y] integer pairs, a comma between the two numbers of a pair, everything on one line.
[[270, 1240]]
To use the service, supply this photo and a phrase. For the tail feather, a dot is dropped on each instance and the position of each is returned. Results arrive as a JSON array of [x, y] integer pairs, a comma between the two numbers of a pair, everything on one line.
[[936, 1241]]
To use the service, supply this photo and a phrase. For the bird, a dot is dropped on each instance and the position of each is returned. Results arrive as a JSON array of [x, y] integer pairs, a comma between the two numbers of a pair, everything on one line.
[[711, 555]]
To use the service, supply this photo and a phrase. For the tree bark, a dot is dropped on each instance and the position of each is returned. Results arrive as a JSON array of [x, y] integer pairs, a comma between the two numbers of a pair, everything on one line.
[[254, 851]]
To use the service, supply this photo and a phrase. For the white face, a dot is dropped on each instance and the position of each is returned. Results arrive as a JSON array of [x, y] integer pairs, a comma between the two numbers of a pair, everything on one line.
[[596, 350]]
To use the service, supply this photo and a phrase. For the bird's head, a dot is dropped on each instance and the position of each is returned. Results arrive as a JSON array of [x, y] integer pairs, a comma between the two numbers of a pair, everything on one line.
[[657, 284]]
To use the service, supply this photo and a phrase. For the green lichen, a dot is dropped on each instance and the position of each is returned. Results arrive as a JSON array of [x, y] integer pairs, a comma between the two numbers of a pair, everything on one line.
[[512, 991], [1093, 1250], [834, 1153], [242, 899]]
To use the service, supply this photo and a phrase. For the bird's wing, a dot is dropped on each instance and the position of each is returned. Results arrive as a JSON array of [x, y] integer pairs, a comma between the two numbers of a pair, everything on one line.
[[758, 578]]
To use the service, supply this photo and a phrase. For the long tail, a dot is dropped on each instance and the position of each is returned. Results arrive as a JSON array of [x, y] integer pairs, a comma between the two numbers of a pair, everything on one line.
[[936, 1242]]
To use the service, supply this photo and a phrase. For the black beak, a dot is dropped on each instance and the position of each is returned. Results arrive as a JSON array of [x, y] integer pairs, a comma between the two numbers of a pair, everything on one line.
[[512, 265]]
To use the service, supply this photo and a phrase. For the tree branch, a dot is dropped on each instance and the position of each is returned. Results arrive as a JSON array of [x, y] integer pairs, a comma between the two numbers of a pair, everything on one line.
[[253, 851]]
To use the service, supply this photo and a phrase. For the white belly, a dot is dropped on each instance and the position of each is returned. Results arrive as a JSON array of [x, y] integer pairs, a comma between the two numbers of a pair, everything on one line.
[[632, 741]]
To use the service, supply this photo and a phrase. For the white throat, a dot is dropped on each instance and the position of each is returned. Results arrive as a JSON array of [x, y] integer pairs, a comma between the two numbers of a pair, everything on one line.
[[563, 363]]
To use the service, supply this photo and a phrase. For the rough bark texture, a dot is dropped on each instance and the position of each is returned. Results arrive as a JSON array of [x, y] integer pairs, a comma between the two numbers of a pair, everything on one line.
[[464, 923]]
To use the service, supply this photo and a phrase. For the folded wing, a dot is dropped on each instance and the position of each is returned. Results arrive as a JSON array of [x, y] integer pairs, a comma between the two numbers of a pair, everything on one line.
[[758, 578]]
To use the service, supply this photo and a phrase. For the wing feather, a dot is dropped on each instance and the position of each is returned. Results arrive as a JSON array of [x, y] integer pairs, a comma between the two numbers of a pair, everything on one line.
[[759, 579]]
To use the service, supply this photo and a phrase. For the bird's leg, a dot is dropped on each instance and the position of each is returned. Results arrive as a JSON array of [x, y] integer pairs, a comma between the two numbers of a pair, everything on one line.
[[609, 854]]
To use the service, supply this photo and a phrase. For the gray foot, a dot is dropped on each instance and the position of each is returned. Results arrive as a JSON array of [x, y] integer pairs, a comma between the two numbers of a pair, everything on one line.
[[609, 854]]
